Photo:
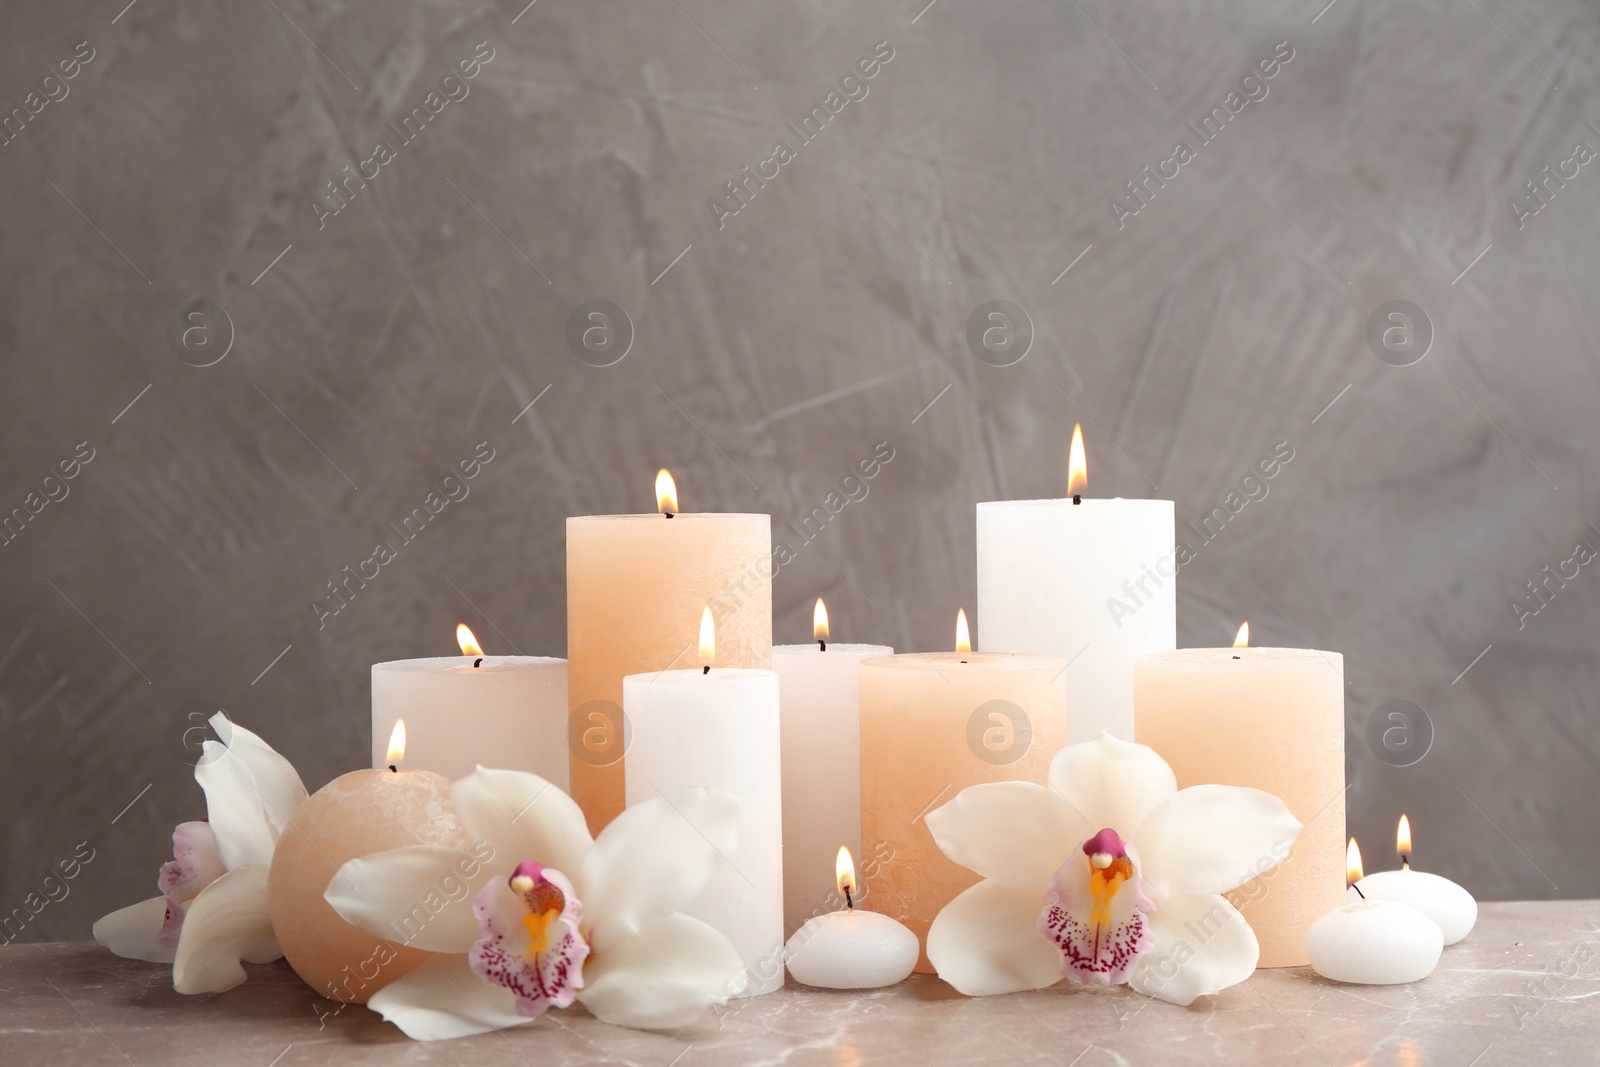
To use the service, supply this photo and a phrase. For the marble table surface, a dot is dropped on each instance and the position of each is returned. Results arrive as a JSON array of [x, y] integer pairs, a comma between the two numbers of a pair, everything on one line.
[[1523, 988]]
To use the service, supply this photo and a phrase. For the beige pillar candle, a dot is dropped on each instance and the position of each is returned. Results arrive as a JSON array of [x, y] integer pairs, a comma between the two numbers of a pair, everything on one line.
[[931, 725], [636, 587], [1271, 719]]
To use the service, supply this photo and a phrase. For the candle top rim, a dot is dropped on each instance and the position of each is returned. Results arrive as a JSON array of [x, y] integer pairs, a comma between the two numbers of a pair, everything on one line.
[[1060, 501], [1003, 661], [1251, 654], [845, 647], [656, 516], [494, 664]]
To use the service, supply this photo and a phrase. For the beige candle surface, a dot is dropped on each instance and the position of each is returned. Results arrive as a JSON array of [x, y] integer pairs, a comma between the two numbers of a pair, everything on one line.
[[931, 725], [636, 588], [1271, 719]]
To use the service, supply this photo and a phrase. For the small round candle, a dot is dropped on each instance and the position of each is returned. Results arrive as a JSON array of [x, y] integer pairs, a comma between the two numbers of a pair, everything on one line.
[[1440, 899], [850, 948], [1373, 942]]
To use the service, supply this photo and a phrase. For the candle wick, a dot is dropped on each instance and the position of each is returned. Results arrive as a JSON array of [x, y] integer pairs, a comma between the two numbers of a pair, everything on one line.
[[823, 642], [1405, 860], [851, 904], [1359, 893], [1236, 657], [668, 514], [479, 663], [393, 768], [706, 669], [1077, 498]]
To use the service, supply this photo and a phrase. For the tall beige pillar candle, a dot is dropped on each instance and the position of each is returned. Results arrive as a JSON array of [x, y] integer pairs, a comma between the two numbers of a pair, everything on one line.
[[931, 725], [636, 587], [1271, 719]]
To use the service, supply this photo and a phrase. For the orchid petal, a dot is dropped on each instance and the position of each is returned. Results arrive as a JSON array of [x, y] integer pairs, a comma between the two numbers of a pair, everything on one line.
[[1040, 828], [417, 896], [281, 790], [1202, 945], [665, 975], [236, 807], [444, 999], [131, 932], [986, 941], [521, 816], [1212, 838], [654, 858], [1112, 782], [228, 922]]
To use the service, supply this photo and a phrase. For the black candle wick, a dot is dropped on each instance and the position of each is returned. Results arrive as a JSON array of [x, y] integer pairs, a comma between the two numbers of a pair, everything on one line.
[[847, 901], [706, 669], [393, 768], [823, 641], [479, 663]]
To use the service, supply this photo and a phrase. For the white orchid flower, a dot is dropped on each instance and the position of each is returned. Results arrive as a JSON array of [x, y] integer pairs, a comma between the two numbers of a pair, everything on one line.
[[1109, 874], [212, 911], [553, 916]]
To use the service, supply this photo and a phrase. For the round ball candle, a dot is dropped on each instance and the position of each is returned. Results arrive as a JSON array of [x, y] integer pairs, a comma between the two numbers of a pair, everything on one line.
[[850, 948], [717, 727], [931, 725], [1452, 908], [1269, 719], [635, 587], [509, 711], [1091, 581], [1373, 942], [819, 691], [354, 815]]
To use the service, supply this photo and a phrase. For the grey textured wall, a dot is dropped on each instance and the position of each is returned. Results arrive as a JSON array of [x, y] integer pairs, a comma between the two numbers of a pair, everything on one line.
[[374, 348]]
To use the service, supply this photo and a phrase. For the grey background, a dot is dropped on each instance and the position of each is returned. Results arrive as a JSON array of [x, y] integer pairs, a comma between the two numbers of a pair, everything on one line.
[[824, 318]]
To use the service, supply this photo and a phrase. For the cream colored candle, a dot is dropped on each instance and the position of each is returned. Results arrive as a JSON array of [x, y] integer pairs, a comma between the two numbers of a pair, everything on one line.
[[931, 725], [636, 585], [1271, 719]]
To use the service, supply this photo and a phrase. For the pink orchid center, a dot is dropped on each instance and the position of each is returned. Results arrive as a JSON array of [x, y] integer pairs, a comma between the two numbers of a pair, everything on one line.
[[545, 903], [195, 864], [1095, 911], [528, 938]]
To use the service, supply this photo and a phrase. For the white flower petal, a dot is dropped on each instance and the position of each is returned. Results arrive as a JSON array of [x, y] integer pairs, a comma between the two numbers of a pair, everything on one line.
[[235, 807], [664, 975], [415, 896], [522, 817], [1203, 945], [281, 790], [131, 931], [444, 999], [1112, 783], [987, 941], [1015, 833], [228, 922], [656, 857], [1213, 838]]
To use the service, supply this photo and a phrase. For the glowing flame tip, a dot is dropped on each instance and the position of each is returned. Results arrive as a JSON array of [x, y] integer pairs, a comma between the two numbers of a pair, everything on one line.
[[1077, 464], [467, 640], [844, 871], [397, 743], [1242, 638], [963, 634], [1352, 862], [666, 492], [708, 638], [819, 621], [1402, 837]]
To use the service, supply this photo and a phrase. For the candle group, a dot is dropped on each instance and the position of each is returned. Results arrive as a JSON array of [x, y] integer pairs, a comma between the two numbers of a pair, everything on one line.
[[1373, 942]]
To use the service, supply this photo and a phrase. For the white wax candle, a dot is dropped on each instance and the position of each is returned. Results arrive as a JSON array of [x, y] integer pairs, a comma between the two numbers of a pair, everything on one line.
[[819, 697], [851, 949], [719, 730], [1374, 942], [1450, 907], [509, 713], [1093, 583]]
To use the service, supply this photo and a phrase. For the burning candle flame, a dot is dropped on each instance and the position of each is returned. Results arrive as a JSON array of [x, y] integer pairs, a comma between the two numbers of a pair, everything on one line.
[[467, 640], [963, 635], [1242, 638], [844, 871], [397, 743], [666, 492], [1077, 465], [1402, 837], [819, 621], [708, 638], [1352, 862]]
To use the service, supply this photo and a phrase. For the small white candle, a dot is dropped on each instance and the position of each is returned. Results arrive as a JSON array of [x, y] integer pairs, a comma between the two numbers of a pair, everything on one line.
[[819, 691], [1373, 942], [851, 948], [1440, 899], [717, 728], [502, 711]]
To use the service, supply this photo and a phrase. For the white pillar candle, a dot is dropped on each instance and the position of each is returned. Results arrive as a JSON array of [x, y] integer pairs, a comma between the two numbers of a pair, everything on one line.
[[1090, 581], [850, 948], [1440, 899], [1373, 942], [718, 729], [508, 712], [819, 689]]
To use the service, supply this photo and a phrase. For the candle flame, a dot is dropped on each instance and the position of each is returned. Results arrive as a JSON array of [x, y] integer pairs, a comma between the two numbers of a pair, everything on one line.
[[666, 492], [1402, 836], [467, 640], [1352, 862], [963, 635], [708, 638], [1077, 465], [819, 621], [1242, 638], [397, 743], [844, 871]]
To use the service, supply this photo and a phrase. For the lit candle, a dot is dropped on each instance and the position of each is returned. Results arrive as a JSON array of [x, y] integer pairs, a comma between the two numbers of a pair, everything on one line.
[[1091, 581], [718, 728], [507, 711], [635, 587], [931, 725], [819, 692], [1373, 942], [354, 815], [1440, 899], [1270, 719], [850, 948]]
